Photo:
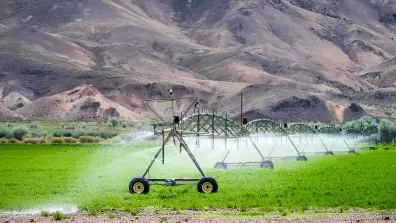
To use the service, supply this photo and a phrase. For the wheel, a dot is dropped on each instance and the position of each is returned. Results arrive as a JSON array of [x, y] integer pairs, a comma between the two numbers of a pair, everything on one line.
[[267, 164], [220, 165], [329, 153], [352, 151], [207, 185], [302, 158], [139, 185]]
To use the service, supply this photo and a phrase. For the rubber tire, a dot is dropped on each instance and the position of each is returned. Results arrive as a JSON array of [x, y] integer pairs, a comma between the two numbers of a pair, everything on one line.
[[352, 151], [302, 158], [264, 163], [329, 153], [208, 180], [220, 165], [144, 181]]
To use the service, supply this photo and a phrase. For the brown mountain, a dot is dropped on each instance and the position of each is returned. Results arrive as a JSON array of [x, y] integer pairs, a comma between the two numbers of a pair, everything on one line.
[[293, 59]]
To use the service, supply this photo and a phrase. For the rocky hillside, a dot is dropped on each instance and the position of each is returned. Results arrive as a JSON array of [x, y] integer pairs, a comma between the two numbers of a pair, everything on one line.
[[293, 59]]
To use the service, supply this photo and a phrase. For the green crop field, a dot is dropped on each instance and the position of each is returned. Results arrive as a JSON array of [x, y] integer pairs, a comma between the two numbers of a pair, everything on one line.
[[95, 178]]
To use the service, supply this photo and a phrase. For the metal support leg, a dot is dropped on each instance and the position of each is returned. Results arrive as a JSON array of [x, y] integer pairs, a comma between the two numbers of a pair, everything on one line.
[[183, 143], [294, 146], [228, 151], [157, 154], [163, 147]]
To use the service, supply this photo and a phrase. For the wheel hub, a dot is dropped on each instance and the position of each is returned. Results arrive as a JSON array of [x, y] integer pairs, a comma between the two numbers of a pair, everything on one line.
[[207, 187], [138, 187]]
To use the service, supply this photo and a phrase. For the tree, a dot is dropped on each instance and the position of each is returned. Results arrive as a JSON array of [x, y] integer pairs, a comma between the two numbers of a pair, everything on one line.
[[114, 121]]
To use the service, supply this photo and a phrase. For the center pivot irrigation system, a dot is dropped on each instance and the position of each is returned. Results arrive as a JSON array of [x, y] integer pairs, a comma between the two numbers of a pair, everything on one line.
[[177, 118], [170, 112]]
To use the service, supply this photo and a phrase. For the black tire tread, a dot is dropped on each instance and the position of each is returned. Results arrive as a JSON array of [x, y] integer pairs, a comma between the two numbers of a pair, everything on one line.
[[208, 179], [143, 180]]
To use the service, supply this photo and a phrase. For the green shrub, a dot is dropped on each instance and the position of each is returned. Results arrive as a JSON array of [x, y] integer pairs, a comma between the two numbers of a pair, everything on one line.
[[19, 131], [70, 127], [45, 213], [31, 140], [70, 140], [9, 125], [114, 121], [124, 125], [12, 141], [33, 126], [4, 132], [3, 140], [83, 125], [387, 130], [89, 139], [56, 140], [110, 125], [39, 134], [60, 216], [42, 140], [62, 125]]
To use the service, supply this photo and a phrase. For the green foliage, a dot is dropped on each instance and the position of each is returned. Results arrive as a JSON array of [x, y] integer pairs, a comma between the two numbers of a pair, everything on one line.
[[19, 131], [361, 124], [33, 125], [89, 139], [83, 125], [124, 125], [3, 140], [12, 141], [114, 121], [60, 216], [5, 132], [110, 125], [387, 130], [45, 213], [323, 182]]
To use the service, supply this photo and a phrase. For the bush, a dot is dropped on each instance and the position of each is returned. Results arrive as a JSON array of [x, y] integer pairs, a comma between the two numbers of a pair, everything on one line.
[[62, 125], [31, 140], [114, 121], [12, 141], [124, 125], [70, 127], [83, 125], [56, 140], [33, 126], [9, 125], [70, 140], [19, 131], [110, 125], [42, 140], [60, 216], [40, 134], [45, 213], [387, 130], [64, 133], [89, 139], [3, 140], [4, 132]]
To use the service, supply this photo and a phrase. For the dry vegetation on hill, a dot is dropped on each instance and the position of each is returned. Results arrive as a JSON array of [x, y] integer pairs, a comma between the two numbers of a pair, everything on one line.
[[294, 59]]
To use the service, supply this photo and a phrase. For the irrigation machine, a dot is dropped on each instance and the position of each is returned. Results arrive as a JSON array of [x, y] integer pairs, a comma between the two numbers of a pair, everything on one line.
[[169, 113], [221, 127]]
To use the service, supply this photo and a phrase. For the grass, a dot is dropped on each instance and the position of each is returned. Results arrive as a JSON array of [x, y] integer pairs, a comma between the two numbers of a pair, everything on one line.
[[95, 179], [70, 129]]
